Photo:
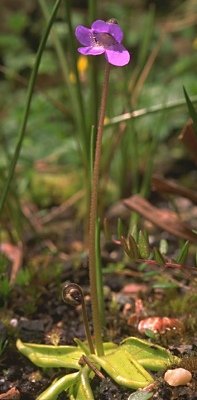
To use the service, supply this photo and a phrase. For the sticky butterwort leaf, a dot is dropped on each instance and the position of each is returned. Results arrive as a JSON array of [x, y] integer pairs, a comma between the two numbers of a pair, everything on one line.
[[151, 356], [47, 356], [58, 386], [124, 369], [84, 391]]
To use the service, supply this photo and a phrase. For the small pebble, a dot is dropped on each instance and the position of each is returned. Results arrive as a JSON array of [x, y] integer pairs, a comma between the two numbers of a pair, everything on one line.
[[14, 322], [177, 376]]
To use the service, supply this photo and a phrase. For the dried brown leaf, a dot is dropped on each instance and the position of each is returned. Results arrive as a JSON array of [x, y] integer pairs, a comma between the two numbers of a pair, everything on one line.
[[11, 394], [165, 219], [168, 186], [15, 255]]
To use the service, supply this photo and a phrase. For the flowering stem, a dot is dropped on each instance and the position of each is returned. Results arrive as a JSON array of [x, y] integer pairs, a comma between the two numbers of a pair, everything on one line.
[[93, 218]]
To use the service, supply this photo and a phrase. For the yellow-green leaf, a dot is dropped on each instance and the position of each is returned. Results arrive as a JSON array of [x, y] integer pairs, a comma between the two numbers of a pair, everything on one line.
[[58, 386], [151, 356], [47, 356], [84, 391], [124, 369]]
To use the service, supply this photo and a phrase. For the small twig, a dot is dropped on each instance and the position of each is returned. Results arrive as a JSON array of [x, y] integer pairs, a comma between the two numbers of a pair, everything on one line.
[[85, 360], [57, 211], [145, 71]]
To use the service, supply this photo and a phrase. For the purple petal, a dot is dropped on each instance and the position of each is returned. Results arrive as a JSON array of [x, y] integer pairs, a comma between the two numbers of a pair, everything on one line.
[[83, 35], [100, 26], [91, 51], [116, 32], [118, 56]]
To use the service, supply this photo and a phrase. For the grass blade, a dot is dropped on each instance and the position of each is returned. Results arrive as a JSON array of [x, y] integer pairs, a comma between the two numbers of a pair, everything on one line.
[[182, 256], [148, 110], [192, 111], [157, 256]]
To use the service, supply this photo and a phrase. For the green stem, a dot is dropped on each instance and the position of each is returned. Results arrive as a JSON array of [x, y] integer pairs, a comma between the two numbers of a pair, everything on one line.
[[99, 278], [92, 10], [28, 104], [93, 218]]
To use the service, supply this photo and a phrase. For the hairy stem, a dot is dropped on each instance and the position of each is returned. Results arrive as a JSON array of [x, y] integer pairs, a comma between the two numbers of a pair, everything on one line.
[[93, 218]]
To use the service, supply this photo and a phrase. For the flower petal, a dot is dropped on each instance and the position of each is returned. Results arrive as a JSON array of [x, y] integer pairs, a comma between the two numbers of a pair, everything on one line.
[[91, 51], [83, 35], [100, 26], [117, 55], [115, 31]]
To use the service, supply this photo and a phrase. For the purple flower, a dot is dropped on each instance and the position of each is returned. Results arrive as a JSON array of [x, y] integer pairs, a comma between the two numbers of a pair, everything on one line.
[[103, 37]]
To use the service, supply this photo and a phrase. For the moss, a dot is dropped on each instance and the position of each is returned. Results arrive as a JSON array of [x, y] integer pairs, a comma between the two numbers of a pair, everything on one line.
[[52, 189]]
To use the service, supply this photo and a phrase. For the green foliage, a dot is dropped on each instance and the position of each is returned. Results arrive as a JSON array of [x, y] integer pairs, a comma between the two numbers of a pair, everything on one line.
[[139, 395], [179, 305], [183, 253], [68, 125], [24, 277], [130, 248], [143, 244], [49, 189], [5, 287], [53, 133], [27, 107], [17, 21], [138, 249], [3, 344], [158, 257]]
